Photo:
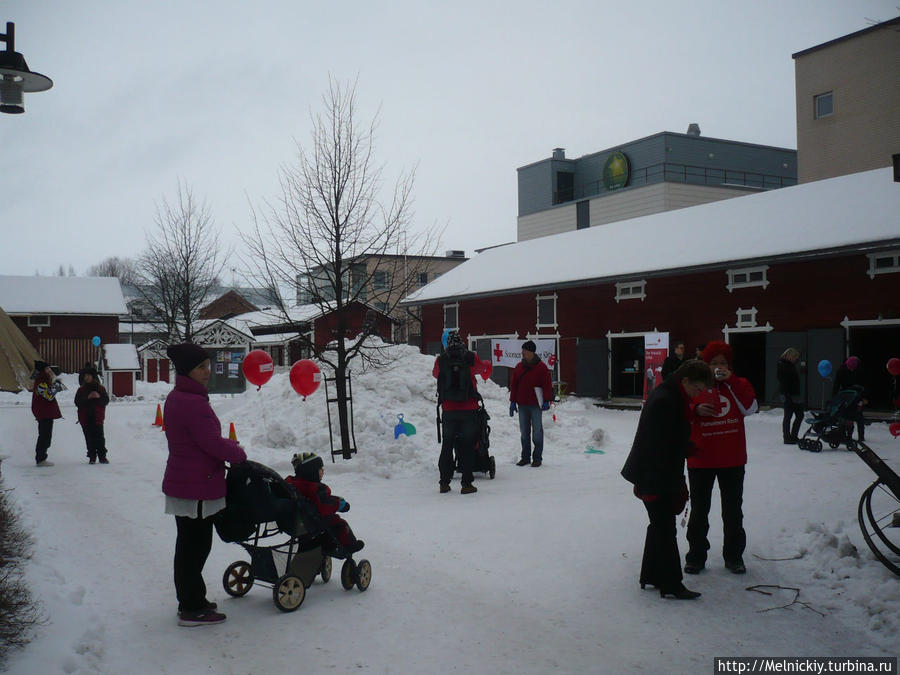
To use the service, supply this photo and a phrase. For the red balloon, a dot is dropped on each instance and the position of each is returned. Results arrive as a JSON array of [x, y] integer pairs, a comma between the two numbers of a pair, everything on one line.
[[486, 369], [893, 366], [894, 429], [258, 367], [305, 377]]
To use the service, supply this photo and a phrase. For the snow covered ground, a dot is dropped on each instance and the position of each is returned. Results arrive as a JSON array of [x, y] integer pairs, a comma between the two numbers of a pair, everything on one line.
[[536, 573]]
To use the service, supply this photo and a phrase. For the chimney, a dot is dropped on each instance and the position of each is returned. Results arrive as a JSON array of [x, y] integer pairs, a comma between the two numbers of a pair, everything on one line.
[[693, 129], [559, 153]]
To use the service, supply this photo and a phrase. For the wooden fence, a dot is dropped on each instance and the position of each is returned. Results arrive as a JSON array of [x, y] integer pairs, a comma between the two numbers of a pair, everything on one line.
[[70, 354]]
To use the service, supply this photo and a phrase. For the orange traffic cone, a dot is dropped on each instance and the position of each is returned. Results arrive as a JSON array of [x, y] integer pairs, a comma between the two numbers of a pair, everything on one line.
[[163, 426], [232, 436], [159, 419]]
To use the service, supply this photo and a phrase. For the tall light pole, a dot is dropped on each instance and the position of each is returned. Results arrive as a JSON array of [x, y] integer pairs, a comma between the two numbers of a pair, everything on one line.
[[15, 78]]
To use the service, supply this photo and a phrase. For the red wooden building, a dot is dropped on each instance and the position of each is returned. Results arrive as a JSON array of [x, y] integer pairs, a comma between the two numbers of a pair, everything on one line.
[[816, 267], [61, 315]]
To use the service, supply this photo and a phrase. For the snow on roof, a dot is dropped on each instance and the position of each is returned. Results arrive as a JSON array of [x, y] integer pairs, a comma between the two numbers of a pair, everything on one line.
[[121, 357], [61, 295], [852, 210]]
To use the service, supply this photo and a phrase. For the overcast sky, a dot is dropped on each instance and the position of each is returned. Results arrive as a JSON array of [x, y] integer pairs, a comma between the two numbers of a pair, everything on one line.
[[218, 92]]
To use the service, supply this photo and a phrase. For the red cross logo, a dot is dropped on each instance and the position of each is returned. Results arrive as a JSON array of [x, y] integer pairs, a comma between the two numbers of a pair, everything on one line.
[[498, 353], [552, 360]]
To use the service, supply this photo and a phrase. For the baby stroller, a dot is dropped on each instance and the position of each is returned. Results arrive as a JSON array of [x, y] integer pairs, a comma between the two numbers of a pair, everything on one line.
[[484, 461], [284, 536], [834, 425]]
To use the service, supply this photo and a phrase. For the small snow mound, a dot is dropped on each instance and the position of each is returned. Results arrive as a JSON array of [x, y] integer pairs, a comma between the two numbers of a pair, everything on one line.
[[597, 436]]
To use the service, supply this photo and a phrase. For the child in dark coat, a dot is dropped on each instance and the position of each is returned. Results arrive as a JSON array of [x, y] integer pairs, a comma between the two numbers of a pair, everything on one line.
[[44, 408], [307, 481], [91, 400]]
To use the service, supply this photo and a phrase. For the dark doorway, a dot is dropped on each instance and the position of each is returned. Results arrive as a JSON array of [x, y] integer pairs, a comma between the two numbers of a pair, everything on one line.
[[627, 364], [750, 359], [875, 346], [592, 360]]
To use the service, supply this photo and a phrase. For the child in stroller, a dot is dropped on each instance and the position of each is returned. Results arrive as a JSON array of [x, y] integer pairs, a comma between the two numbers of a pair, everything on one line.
[[288, 541], [307, 481], [834, 425]]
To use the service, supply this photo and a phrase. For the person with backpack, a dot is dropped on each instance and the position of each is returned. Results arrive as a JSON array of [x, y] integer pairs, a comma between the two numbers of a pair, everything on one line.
[[44, 408], [530, 376], [458, 397]]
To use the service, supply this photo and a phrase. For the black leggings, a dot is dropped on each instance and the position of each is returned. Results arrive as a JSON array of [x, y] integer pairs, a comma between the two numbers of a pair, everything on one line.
[[192, 548], [793, 409]]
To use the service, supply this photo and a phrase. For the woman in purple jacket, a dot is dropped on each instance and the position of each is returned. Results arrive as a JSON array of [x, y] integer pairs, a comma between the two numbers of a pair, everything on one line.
[[194, 482]]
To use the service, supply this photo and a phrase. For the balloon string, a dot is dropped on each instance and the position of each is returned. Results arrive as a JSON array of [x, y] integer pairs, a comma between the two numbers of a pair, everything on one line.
[[264, 415]]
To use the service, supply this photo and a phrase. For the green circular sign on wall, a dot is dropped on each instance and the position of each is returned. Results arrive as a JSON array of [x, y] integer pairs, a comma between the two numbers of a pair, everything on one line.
[[615, 171]]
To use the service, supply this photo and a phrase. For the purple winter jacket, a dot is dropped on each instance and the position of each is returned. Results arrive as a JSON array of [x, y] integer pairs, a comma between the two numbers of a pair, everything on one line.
[[197, 451]]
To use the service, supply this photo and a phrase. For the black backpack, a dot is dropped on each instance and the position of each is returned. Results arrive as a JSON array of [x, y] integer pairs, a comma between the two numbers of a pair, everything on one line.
[[454, 381]]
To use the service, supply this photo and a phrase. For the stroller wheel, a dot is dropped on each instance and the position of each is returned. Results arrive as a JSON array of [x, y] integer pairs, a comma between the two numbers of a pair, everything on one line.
[[851, 446], [288, 593], [325, 570], [492, 471], [348, 574], [833, 445], [817, 446], [238, 579], [363, 575]]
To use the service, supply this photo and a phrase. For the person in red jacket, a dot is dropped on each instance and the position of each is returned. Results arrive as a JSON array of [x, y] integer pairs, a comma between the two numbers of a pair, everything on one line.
[[91, 400], [530, 376], [458, 396], [44, 408], [307, 480], [721, 453]]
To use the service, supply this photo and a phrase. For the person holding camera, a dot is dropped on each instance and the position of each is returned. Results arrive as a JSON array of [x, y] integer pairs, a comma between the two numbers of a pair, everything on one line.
[[720, 455]]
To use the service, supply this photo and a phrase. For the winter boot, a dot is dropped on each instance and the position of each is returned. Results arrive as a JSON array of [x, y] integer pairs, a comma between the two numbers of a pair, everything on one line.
[[468, 489]]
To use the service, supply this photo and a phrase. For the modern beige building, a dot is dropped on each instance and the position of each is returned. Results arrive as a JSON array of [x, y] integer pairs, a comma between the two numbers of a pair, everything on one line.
[[848, 103]]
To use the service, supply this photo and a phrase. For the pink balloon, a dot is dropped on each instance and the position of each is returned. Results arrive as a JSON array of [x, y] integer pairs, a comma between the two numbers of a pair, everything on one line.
[[258, 367], [305, 377]]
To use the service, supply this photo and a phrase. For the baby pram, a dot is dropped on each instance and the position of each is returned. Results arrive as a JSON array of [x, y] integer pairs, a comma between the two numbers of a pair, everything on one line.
[[284, 536], [484, 461], [834, 425]]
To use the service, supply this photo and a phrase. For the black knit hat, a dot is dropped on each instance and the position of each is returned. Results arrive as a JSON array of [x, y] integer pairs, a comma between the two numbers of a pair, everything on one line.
[[307, 465], [529, 346], [454, 339], [186, 356], [88, 369]]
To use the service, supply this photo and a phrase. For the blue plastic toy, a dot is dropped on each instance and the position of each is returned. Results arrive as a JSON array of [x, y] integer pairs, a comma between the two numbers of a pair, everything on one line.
[[403, 428]]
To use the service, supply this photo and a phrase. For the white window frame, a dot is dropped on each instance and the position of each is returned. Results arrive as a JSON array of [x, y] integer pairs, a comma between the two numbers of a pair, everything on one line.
[[883, 270], [631, 286], [454, 305], [39, 324], [816, 99], [537, 300], [745, 318], [746, 272]]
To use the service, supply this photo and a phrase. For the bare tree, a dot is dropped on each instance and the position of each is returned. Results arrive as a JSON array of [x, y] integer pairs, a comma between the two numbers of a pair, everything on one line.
[[181, 263], [332, 236], [124, 269]]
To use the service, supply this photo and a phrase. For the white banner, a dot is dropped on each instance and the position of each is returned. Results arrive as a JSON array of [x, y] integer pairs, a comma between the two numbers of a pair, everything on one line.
[[509, 352]]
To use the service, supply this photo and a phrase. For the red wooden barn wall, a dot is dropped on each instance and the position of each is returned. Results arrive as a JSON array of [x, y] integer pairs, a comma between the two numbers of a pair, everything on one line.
[[693, 307]]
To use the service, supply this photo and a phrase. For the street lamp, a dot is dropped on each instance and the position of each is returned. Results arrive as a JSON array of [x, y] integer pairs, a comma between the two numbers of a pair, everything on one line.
[[16, 78]]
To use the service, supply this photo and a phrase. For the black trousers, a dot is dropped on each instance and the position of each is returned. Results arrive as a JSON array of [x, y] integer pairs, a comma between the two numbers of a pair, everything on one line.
[[731, 490], [45, 436], [192, 547], [94, 439], [793, 409], [459, 429], [661, 565]]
